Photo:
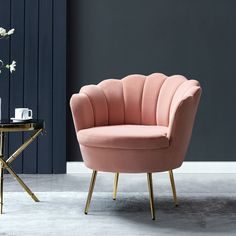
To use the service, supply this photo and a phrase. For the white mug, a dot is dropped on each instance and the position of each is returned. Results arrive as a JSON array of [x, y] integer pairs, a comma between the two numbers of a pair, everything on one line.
[[23, 113]]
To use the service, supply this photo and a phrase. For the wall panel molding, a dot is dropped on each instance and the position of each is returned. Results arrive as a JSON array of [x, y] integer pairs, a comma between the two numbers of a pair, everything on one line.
[[39, 83]]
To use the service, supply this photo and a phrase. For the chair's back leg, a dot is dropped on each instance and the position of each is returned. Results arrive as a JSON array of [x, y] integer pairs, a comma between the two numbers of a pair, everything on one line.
[[173, 187]]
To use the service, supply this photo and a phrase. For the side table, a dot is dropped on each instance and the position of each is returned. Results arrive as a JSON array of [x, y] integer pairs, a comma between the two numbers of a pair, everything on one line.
[[6, 126]]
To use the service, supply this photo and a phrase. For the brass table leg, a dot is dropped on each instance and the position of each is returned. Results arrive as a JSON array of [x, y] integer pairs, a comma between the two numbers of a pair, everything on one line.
[[1, 170], [23, 146], [20, 181], [1, 188], [6, 165]]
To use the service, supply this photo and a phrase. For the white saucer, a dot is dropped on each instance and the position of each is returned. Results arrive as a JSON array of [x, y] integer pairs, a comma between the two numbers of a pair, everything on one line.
[[20, 120]]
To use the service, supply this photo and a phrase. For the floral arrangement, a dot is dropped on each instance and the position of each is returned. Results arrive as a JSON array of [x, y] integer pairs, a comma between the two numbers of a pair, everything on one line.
[[11, 67]]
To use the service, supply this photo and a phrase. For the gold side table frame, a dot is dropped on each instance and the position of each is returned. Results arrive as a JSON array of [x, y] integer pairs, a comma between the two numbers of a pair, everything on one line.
[[37, 126]]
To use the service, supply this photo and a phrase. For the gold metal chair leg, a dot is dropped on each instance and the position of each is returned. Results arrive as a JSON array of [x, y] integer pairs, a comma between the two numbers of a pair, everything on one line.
[[115, 186], [173, 187], [91, 187], [1, 188], [151, 197]]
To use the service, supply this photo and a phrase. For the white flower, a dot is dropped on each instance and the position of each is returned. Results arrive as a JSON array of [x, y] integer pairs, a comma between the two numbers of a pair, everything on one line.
[[3, 32], [12, 66], [10, 32]]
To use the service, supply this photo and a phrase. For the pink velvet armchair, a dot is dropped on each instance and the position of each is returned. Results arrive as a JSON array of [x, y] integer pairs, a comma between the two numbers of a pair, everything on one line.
[[139, 124]]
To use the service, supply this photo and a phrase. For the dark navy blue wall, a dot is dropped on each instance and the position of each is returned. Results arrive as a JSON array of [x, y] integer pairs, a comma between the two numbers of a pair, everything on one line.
[[39, 48]]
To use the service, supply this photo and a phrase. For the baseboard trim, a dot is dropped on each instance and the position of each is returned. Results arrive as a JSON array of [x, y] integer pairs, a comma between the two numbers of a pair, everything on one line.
[[187, 167]]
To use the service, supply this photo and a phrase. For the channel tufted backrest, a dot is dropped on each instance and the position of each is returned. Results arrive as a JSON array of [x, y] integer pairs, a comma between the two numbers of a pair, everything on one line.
[[137, 99]]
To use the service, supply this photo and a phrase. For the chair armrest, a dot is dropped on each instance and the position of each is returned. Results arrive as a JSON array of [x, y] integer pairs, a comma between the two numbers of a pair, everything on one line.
[[82, 111], [183, 116]]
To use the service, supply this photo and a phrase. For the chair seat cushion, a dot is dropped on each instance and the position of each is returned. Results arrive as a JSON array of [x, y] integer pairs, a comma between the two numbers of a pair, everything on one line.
[[125, 137]]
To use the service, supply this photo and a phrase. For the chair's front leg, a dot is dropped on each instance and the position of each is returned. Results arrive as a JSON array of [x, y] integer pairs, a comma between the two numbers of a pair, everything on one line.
[[90, 193], [115, 186], [150, 188], [173, 187]]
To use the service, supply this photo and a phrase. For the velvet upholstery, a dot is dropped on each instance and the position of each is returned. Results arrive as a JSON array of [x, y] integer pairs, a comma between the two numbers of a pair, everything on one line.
[[136, 124], [125, 137]]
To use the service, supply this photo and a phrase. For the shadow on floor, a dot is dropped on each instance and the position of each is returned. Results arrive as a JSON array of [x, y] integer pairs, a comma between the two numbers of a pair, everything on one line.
[[194, 214]]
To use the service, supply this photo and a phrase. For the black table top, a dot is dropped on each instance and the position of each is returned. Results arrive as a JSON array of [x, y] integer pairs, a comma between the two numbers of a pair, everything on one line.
[[8, 125]]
